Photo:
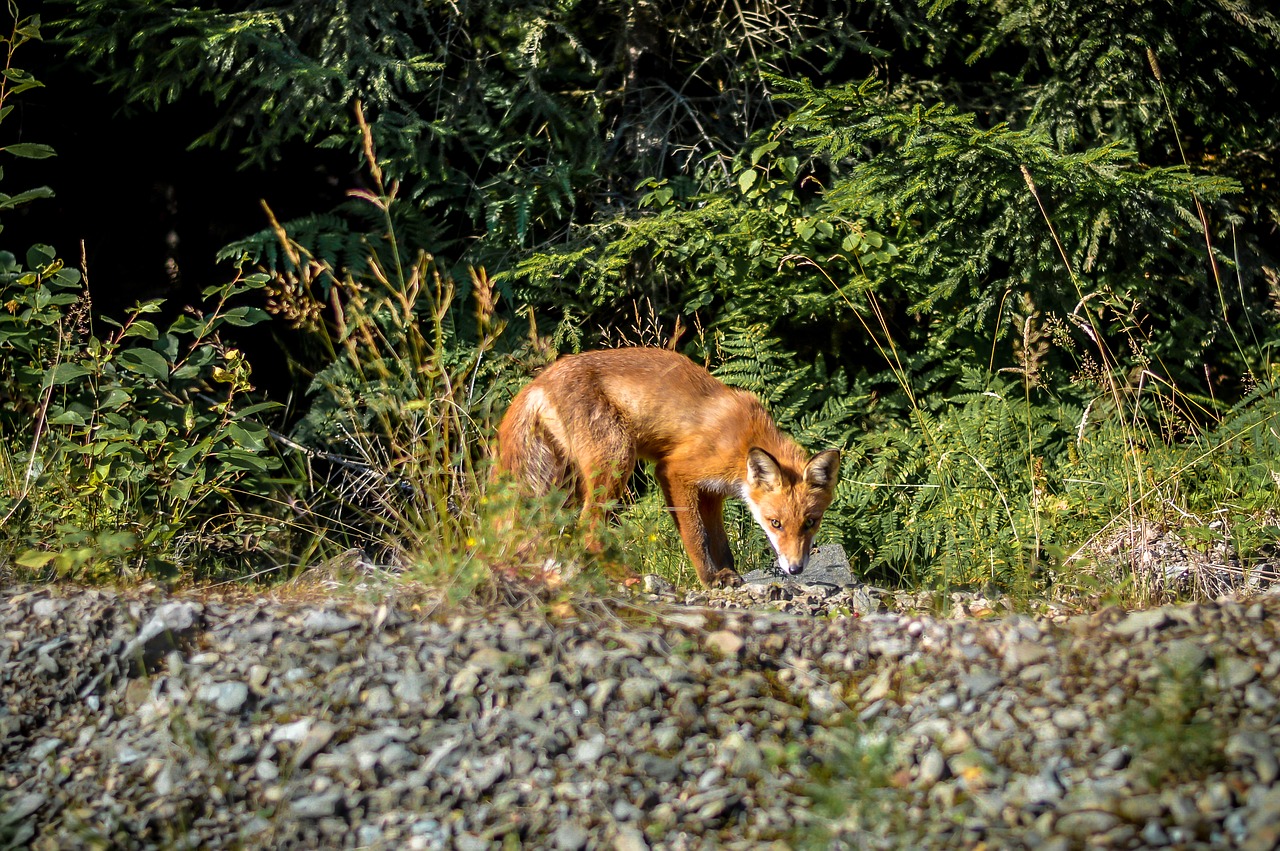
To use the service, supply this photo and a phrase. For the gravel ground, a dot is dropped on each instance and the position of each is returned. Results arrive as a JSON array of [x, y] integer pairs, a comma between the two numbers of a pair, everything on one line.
[[141, 718]]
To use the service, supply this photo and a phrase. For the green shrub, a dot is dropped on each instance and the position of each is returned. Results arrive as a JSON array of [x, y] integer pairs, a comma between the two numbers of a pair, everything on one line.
[[122, 449], [997, 414], [119, 451]]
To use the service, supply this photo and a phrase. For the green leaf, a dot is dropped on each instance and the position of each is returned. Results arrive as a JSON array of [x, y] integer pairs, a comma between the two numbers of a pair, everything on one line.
[[67, 418], [115, 399], [189, 325], [39, 256], [245, 316], [747, 179], [241, 461], [248, 435], [762, 150], [257, 408], [146, 362], [30, 27], [30, 150], [35, 559], [142, 328], [64, 373], [182, 457], [19, 80], [151, 305], [8, 202], [180, 490], [65, 277]]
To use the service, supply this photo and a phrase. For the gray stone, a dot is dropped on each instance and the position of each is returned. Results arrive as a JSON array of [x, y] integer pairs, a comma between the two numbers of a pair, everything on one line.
[[315, 739], [1153, 835], [226, 697], [589, 751], [1070, 719], [1258, 697], [1236, 672], [1139, 622], [570, 836], [828, 565], [321, 622], [378, 701], [655, 584], [43, 749], [638, 691], [1019, 654], [980, 682], [1084, 825], [1184, 656], [15, 811], [933, 767], [316, 806], [629, 838], [169, 628], [1003, 731], [725, 642]]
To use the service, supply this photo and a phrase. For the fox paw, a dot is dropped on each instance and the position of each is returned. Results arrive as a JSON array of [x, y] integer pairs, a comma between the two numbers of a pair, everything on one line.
[[724, 578]]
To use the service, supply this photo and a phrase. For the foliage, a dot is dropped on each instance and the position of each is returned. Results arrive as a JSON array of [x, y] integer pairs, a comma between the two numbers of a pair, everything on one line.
[[392, 446], [119, 447], [1177, 733], [927, 227], [114, 448], [852, 788], [1016, 258], [14, 81], [504, 120]]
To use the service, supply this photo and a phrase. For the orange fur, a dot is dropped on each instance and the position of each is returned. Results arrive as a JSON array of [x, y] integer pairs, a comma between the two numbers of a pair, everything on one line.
[[586, 420]]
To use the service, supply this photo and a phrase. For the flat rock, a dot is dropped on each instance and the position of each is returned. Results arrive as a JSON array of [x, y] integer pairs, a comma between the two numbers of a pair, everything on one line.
[[828, 565]]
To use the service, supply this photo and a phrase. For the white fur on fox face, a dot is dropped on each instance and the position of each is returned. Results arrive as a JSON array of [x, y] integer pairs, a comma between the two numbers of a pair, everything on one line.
[[788, 567]]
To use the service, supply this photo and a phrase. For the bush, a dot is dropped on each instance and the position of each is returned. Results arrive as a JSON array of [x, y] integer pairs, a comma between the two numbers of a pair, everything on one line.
[[122, 450]]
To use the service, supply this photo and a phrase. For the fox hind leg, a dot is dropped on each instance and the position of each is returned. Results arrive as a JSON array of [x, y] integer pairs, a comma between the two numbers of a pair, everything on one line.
[[603, 460]]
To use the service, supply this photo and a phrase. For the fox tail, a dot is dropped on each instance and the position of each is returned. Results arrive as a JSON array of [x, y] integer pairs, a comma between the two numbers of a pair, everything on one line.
[[527, 449]]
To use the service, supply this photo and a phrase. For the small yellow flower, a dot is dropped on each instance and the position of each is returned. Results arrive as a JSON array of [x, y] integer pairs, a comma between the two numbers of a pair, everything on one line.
[[471, 542]]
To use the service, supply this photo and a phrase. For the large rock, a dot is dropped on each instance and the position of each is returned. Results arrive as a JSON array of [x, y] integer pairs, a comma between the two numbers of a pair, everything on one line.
[[828, 565]]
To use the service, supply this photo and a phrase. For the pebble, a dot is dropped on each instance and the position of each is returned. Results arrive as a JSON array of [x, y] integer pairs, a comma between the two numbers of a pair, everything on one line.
[[725, 643], [345, 723]]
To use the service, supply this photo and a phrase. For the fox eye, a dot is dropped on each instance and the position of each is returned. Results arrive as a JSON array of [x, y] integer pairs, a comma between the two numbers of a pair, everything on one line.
[[809, 523], [775, 523]]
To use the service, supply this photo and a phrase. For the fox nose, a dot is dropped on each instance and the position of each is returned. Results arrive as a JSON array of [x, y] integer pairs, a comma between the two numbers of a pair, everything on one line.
[[793, 568]]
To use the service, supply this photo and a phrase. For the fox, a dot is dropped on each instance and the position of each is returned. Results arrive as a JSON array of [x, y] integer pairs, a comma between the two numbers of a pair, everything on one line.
[[585, 421]]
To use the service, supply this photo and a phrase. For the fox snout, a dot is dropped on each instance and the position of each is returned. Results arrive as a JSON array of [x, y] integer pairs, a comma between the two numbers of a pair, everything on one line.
[[792, 542], [794, 567]]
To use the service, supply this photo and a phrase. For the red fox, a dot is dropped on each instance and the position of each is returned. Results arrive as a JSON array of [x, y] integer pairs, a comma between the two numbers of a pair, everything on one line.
[[585, 421]]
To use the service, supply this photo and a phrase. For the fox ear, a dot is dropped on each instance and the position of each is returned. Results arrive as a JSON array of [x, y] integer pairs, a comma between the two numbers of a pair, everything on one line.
[[763, 470], [822, 469]]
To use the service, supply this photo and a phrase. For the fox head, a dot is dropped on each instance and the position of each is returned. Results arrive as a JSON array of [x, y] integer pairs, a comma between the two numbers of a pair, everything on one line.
[[788, 504]]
